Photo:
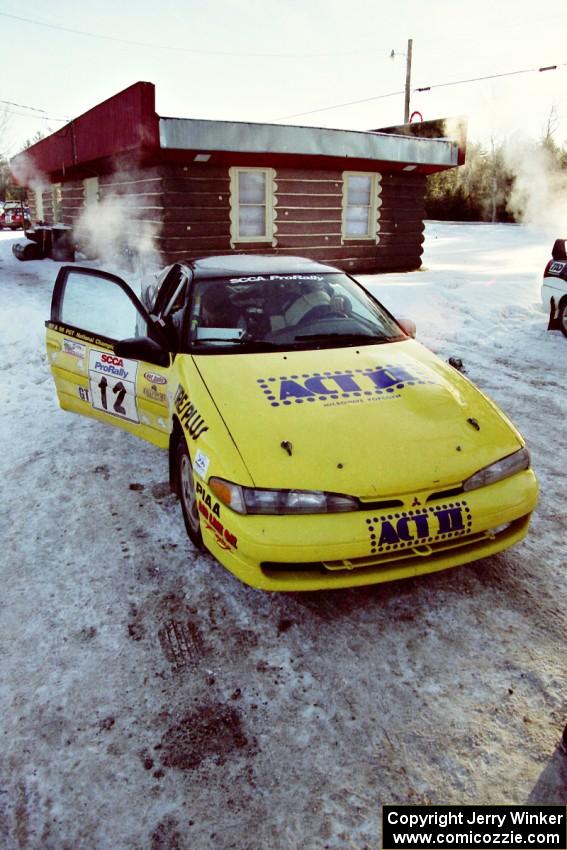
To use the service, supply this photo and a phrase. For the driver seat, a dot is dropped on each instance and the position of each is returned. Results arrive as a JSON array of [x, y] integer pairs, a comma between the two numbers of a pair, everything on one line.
[[302, 305]]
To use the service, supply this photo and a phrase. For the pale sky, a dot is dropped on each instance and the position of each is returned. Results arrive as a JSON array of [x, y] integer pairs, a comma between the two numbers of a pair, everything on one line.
[[263, 60]]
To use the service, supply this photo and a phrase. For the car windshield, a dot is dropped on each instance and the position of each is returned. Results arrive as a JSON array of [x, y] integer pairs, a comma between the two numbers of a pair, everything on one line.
[[263, 312]]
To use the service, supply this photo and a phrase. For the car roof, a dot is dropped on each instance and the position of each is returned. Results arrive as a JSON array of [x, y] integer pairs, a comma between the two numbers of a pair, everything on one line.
[[256, 264]]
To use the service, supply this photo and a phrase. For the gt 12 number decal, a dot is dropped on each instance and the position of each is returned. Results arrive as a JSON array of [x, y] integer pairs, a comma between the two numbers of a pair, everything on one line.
[[117, 388], [112, 383]]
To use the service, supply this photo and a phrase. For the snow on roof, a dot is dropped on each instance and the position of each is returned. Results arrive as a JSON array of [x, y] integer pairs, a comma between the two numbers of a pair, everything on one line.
[[245, 137], [251, 264]]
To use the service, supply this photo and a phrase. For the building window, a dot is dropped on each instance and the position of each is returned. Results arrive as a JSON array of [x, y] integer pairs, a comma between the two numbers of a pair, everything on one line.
[[90, 190], [56, 199], [360, 205], [252, 204]]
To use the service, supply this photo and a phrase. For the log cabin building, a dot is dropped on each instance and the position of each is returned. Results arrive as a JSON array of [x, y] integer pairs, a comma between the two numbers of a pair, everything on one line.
[[200, 187]]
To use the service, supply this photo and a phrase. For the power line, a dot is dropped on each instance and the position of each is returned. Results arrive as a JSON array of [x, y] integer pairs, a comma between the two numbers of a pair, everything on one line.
[[172, 48], [31, 109], [36, 117], [491, 77], [419, 89], [339, 105], [425, 89], [21, 105]]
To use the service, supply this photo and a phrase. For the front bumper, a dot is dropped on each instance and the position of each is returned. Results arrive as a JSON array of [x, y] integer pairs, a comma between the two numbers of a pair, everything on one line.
[[328, 551]]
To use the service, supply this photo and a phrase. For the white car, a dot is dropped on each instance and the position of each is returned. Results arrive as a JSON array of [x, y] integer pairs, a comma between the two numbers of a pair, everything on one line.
[[554, 288]]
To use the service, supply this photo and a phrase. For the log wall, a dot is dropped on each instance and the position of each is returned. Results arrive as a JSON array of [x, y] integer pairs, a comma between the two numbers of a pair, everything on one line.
[[308, 218], [185, 211], [47, 197], [72, 202], [134, 200]]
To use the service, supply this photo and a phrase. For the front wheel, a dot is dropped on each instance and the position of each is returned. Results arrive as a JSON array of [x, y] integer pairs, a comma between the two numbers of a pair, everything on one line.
[[562, 317], [186, 489]]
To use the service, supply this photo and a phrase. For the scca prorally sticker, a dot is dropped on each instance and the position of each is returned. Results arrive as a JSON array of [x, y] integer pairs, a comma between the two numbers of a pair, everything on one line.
[[201, 464], [339, 386], [75, 349], [188, 414], [265, 277], [154, 378], [112, 384], [408, 529]]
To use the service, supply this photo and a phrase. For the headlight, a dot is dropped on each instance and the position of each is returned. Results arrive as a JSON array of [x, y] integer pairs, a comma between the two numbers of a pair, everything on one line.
[[497, 471], [247, 500]]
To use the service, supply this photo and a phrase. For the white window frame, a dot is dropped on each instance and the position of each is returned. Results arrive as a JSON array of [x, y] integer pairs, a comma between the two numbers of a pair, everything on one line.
[[57, 203], [269, 204], [91, 192], [39, 211], [373, 225]]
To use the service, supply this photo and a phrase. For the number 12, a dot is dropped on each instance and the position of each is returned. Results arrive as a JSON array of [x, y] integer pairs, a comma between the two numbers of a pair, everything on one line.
[[119, 390]]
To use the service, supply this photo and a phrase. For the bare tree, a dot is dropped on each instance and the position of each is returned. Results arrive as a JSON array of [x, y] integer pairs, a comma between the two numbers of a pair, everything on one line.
[[550, 127], [4, 169]]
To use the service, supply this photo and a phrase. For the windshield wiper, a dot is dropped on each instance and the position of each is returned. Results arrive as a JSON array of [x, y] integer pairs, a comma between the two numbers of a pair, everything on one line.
[[240, 342], [354, 338], [231, 339]]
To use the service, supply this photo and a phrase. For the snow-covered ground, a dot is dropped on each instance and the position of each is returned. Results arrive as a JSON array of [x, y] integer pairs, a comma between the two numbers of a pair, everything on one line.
[[149, 701]]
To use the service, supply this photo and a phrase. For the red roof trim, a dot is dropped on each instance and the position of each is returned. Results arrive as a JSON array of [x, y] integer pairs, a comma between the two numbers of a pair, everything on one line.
[[125, 122]]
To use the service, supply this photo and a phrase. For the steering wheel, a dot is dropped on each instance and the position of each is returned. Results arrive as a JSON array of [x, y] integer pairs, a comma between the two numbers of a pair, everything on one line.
[[321, 311]]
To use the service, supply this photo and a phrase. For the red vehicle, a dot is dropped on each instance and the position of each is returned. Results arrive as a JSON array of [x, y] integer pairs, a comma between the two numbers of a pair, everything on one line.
[[11, 216]]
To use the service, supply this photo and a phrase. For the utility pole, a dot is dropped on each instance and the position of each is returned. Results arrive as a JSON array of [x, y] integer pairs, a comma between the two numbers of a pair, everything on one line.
[[408, 82], [393, 55]]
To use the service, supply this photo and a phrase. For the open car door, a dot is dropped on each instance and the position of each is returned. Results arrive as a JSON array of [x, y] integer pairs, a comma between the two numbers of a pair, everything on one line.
[[107, 356]]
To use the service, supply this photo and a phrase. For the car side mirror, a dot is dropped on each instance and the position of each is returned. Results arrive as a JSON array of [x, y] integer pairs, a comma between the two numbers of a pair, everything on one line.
[[408, 325], [143, 348]]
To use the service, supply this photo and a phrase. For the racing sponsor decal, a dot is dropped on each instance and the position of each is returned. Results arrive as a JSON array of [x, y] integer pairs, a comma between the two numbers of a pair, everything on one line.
[[188, 414], [112, 384], [556, 268], [110, 364], [154, 378], [340, 387], [154, 394], [84, 395], [208, 501], [201, 464], [210, 513], [75, 349], [409, 529], [61, 328]]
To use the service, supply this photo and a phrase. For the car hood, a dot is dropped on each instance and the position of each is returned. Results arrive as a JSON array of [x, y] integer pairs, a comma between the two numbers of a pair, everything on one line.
[[372, 421]]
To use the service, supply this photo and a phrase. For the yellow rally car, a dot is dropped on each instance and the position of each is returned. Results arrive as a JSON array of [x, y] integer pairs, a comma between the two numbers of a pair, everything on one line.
[[312, 441]]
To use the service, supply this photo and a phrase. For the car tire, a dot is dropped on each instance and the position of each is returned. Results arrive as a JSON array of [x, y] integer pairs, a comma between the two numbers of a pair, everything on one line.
[[562, 316], [186, 490]]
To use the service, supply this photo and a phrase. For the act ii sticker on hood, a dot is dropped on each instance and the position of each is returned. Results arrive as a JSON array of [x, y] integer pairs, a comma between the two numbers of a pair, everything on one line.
[[362, 384]]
